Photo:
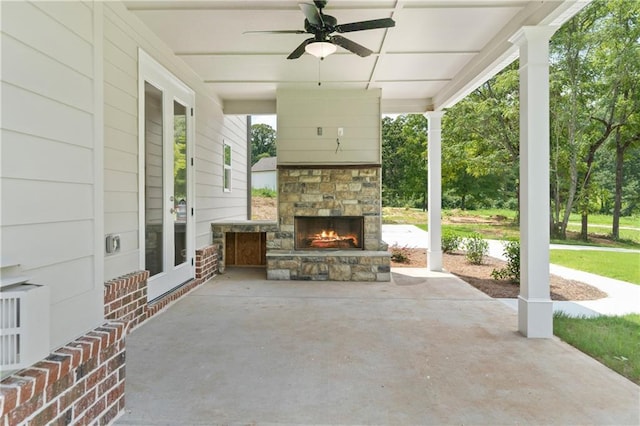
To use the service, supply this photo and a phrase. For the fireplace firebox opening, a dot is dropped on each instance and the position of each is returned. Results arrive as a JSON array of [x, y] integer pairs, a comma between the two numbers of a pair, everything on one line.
[[330, 233]]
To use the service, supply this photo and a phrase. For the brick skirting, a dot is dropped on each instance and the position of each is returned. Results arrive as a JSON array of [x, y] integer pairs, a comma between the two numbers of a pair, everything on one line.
[[80, 383], [84, 381], [125, 299]]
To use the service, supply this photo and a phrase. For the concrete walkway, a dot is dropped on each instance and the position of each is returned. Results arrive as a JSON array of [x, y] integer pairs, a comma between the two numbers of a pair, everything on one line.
[[424, 349], [623, 298]]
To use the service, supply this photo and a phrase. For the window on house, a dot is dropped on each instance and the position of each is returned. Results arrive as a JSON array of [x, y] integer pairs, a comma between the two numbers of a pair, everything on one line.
[[226, 176]]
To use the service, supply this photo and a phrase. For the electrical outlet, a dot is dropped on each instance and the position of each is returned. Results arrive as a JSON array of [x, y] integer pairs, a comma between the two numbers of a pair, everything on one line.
[[112, 243], [340, 131]]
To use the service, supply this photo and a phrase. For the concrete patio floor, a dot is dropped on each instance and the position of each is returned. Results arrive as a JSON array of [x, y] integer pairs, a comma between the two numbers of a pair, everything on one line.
[[423, 349]]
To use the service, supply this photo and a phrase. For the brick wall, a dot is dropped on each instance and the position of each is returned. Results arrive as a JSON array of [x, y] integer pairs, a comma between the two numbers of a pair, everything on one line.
[[125, 299], [206, 263], [84, 381], [80, 383]]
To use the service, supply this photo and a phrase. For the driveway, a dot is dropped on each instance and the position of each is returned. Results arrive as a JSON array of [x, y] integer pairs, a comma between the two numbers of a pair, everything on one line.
[[425, 348]]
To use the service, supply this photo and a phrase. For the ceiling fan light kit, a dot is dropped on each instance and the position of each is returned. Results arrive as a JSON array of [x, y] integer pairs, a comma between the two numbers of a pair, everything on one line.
[[322, 26], [320, 49]]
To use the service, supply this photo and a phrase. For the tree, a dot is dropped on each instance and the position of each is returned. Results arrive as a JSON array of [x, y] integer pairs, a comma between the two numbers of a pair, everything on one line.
[[619, 60], [263, 142], [569, 113], [404, 167], [480, 145]]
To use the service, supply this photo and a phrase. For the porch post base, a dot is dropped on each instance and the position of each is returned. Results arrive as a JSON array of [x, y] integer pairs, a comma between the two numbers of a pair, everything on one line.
[[535, 318], [434, 260]]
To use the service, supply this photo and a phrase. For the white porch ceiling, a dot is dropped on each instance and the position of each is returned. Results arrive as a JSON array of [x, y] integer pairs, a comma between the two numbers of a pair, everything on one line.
[[438, 52]]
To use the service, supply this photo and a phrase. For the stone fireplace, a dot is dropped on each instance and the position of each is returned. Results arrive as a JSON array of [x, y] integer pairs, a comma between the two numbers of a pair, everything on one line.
[[343, 202], [329, 220]]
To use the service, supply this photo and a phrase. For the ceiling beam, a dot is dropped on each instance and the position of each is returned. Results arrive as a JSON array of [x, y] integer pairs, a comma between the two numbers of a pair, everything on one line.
[[406, 106], [249, 107], [374, 69]]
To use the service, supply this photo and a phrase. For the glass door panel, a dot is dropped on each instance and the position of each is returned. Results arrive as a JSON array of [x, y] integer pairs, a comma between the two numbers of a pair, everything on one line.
[[179, 182], [154, 182]]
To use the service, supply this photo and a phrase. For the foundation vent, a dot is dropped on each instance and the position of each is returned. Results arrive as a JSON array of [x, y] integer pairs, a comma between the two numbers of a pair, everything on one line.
[[24, 325]]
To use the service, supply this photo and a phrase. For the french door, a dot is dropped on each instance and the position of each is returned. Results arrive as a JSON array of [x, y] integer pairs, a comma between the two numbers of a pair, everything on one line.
[[166, 187]]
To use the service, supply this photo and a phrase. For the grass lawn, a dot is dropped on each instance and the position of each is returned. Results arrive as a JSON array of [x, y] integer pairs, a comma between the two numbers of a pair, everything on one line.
[[631, 235], [620, 266], [611, 340], [603, 219], [498, 224]]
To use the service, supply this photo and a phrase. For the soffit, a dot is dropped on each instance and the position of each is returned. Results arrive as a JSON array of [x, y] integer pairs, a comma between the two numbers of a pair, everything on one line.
[[437, 53]]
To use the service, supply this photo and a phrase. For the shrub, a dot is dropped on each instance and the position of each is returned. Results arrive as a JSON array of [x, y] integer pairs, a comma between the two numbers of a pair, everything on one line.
[[512, 270], [450, 241], [399, 254], [477, 248], [263, 192]]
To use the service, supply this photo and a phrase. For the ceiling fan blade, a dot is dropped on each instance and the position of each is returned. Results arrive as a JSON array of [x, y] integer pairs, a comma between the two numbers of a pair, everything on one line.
[[276, 32], [351, 46], [366, 25], [312, 14], [300, 49]]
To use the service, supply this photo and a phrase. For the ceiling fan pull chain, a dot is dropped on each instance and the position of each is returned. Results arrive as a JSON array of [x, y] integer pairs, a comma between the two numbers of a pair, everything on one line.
[[319, 81]]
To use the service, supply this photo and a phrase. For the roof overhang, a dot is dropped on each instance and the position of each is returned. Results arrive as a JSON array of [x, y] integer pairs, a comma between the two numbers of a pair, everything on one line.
[[438, 52]]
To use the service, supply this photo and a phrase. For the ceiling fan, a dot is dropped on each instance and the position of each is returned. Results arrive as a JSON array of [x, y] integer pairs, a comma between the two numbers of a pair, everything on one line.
[[322, 26]]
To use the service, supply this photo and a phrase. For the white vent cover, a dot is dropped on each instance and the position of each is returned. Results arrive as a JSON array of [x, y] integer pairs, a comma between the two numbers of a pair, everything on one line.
[[24, 325]]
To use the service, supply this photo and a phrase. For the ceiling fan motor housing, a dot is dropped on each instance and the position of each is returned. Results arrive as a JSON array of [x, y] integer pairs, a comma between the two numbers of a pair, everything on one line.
[[322, 27]]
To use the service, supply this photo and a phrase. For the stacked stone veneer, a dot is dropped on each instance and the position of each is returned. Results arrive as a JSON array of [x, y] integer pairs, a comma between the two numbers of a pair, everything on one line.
[[328, 191], [83, 382]]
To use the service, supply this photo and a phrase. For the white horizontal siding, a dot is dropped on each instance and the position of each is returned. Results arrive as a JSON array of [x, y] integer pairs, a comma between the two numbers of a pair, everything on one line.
[[121, 147], [43, 244], [29, 157], [31, 25], [301, 113], [49, 151], [116, 77], [119, 181], [55, 120], [123, 35], [113, 201], [120, 119], [72, 318], [71, 87], [73, 15], [121, 140], [120, 160], [116, 97], [31, 202], [68, 276]]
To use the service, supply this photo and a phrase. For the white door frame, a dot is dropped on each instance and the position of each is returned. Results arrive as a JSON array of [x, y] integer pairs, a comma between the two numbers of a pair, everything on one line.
[[149, 70]]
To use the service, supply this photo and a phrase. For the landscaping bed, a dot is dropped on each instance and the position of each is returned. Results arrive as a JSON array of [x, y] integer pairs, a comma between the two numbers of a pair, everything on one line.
[[479, 276]]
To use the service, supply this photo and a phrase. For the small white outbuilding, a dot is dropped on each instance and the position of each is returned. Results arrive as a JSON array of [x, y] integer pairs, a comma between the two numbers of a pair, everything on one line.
[[263, 174]]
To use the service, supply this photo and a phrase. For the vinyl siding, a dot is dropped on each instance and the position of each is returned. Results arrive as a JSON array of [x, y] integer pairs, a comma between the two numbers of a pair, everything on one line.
[[300, 113], [48, 159], [123, 35]]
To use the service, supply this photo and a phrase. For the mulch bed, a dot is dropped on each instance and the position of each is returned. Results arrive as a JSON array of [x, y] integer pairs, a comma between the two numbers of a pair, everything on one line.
[[479, 276]]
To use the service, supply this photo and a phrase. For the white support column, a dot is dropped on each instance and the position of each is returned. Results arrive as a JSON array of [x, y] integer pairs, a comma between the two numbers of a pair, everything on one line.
[[434, 253], [535, 309]]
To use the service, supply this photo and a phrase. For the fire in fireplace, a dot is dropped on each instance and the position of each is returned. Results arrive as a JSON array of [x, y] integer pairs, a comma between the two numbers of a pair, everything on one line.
[[332, 233]]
